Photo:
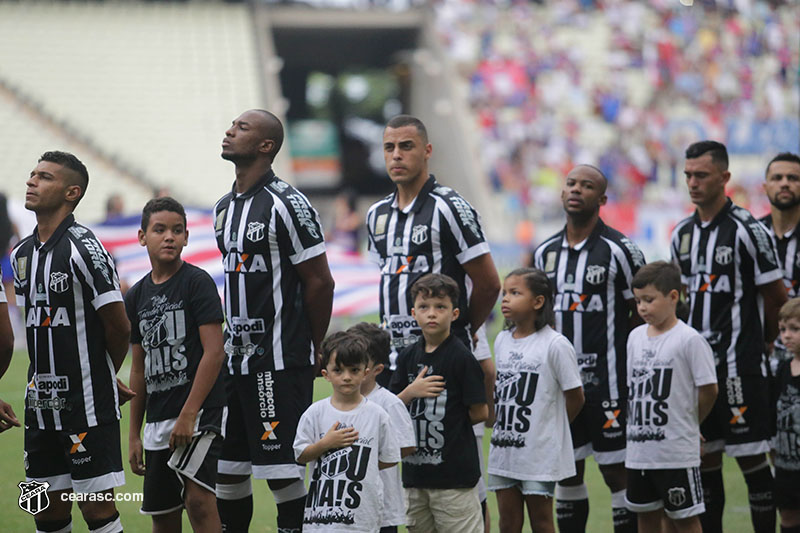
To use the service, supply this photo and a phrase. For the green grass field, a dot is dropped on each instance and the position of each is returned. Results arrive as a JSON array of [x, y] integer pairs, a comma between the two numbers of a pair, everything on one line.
[[737, 518]]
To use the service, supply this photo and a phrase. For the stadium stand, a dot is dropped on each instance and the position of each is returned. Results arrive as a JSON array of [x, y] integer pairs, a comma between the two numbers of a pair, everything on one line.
[[152, 86]]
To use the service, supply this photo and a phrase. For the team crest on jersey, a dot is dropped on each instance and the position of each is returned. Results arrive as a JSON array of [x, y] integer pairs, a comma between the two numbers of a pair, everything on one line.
[[59, 282], [279, 186], [595, 274], [22, 268], [33, 496], [380, 224], [255, 231], [336, 463], [677, 496], [77, 231], [550, 262], [419, 234], [723, 255]]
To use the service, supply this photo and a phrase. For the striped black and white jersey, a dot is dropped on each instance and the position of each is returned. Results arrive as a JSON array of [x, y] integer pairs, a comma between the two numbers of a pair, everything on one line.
[[723, 262], [592, 282], [788, 255], [61, 284], [262, 234], [437, 233]]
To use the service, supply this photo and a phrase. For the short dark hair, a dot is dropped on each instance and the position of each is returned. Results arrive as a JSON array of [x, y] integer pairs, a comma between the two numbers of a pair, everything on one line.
[[435, 286], [401, 121], [379, 341], [719, 154], [350, 349], [539, 285], [664, 276], [784, 156], [165, 203], [66, 159]]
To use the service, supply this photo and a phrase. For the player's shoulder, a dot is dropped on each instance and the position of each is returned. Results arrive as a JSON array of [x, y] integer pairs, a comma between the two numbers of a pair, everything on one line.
[[383, 203], [284, 192], [223, 202], [553, 241], [84, 240], [22, 247], [766, 220], [624, 243], [741, 215], [683, 225], [450, 197]]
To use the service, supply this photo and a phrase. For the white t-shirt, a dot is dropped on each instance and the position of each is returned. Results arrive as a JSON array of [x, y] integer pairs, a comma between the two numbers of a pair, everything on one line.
[[531, 438], [481, 353], [345, 493], [394, 503], [663, 375]]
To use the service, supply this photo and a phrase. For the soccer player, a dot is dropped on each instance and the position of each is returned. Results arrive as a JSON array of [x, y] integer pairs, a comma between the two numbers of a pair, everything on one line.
[[425, 227], [728, 265], [77, 334], [176, 331], [7, 417], [782, 185], [591, 266], [278, 301]]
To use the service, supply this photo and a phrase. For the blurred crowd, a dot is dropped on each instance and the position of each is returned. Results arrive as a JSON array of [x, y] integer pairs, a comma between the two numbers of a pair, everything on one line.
[[609, 81]]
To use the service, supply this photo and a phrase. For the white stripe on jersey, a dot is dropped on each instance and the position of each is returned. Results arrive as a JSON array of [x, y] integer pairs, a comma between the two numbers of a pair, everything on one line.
[[240, 233], [83, 342], [617, 259], [277, 294], [402, 281], [32, 299], [443, 208], [580, 273], [436, 244], [48, 261]]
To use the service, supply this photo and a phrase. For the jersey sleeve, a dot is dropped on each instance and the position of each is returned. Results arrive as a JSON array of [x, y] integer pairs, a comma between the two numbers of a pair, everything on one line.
[[389, 449], [674, 253], [629, 259], [305, 435], [482, 351], [372, 249], [204, 299], [402, 424], [461, 227], [131, 298], [399, 376], [300, 230], [564, 363], [96, 268], [19, 286], [472, 386], [701, 360], [760, 246]]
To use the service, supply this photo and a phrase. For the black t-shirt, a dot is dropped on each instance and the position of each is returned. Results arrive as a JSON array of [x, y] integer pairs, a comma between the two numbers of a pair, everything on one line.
[[165, 319], [787, 440], [447, 454]]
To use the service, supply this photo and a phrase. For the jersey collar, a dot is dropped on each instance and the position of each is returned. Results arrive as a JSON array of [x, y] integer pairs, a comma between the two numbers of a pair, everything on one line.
[[590, 241], [416, 206], [767, 221], [67, 222], [260, 184], [717, 218]]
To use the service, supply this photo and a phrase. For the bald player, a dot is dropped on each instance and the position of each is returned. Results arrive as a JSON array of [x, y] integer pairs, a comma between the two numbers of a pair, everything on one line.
[[278, 301], [591, 266]]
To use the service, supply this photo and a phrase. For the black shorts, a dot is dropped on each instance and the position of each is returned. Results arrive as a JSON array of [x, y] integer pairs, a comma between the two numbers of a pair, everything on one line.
[[740, 420], [787, 489], [164, 472], [86, 460], [678, 490], [599, 430], [263, 412]]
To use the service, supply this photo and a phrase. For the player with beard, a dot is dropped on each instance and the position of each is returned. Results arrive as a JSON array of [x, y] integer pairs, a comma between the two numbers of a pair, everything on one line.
[[782, 185], [591, 266]]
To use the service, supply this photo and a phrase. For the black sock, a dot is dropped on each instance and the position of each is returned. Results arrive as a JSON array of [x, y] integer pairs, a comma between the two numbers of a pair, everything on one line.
[[762, 505], [235, 515], [290, 515], [714, 498], [572, 508], [790, 529], [625, 521], [49, 526]]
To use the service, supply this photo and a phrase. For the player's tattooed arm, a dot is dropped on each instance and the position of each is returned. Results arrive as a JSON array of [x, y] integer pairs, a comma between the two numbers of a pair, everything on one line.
[[135, 450], [117, 330]]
